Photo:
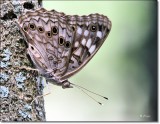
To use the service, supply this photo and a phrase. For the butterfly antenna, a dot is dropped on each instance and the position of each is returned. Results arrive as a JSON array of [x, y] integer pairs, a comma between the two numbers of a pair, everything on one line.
[[82, 89]]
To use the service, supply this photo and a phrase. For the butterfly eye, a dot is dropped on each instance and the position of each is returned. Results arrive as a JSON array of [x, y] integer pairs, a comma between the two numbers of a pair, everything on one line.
[[40, 29], [25, 28], [68, 44], [54, 30], [93, 28], [32, 26], [61, 41], [48, 33]]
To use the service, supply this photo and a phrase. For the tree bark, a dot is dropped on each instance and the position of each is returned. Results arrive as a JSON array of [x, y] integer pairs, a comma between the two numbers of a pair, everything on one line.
[[19, 86]]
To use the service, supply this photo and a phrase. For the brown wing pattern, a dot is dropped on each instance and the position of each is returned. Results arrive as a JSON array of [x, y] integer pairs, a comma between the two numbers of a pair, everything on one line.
[[49, 40], [60, 45], [90, 33]]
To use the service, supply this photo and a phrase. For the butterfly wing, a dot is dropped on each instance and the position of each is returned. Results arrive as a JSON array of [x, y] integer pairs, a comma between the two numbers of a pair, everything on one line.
[[49, 41], [89, 34], [60, 45]]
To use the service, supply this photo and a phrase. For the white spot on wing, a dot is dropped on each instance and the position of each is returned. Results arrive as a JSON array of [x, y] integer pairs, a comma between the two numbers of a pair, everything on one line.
[[89, 43], [91, 50], [84, 41], [99, 34], [79, 30], [78, 51], [76, 44], [86, 32]]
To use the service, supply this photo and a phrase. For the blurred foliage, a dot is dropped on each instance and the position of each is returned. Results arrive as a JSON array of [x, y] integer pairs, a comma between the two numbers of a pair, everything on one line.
[[124, 69]]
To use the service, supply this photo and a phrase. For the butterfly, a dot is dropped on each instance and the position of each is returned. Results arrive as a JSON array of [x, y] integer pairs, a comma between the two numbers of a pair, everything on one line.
[[60, 45]]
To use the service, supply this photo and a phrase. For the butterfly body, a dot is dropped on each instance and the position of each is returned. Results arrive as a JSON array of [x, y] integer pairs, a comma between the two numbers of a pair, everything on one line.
[[60, 45]]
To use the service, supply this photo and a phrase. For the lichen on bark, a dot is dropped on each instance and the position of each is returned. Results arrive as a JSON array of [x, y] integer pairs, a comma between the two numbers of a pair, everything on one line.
[[18, 86]]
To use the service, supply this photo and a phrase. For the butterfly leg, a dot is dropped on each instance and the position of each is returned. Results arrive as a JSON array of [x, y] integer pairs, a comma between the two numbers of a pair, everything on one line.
[[66, 84], [34, 114], [44, 84]]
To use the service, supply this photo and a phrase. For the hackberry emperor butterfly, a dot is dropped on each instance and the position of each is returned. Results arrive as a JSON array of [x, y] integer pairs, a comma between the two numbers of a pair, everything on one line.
[[60, 45]]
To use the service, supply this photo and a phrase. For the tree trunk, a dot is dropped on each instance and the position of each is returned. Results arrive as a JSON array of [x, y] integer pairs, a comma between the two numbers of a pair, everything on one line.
[[19, 86]]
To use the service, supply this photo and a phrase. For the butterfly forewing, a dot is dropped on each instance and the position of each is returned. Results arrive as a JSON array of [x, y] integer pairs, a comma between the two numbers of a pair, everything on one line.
[[49, 39], [60, 45]]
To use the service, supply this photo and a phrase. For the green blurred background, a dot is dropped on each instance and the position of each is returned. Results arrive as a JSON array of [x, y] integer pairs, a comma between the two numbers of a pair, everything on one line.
[[124, 69]]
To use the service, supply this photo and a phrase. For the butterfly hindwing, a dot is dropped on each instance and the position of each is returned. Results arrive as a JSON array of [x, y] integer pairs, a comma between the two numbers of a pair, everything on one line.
[[90, 33]]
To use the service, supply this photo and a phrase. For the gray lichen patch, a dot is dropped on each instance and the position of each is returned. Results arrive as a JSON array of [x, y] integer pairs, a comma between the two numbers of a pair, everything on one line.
[[24, 114], [20, 78], [41, 81], [3, 77], [4, 91], [4, 64], [28, 107], [6, 55]]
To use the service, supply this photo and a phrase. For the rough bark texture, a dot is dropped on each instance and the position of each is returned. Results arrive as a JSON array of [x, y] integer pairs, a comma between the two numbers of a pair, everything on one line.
[[19, 86]]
